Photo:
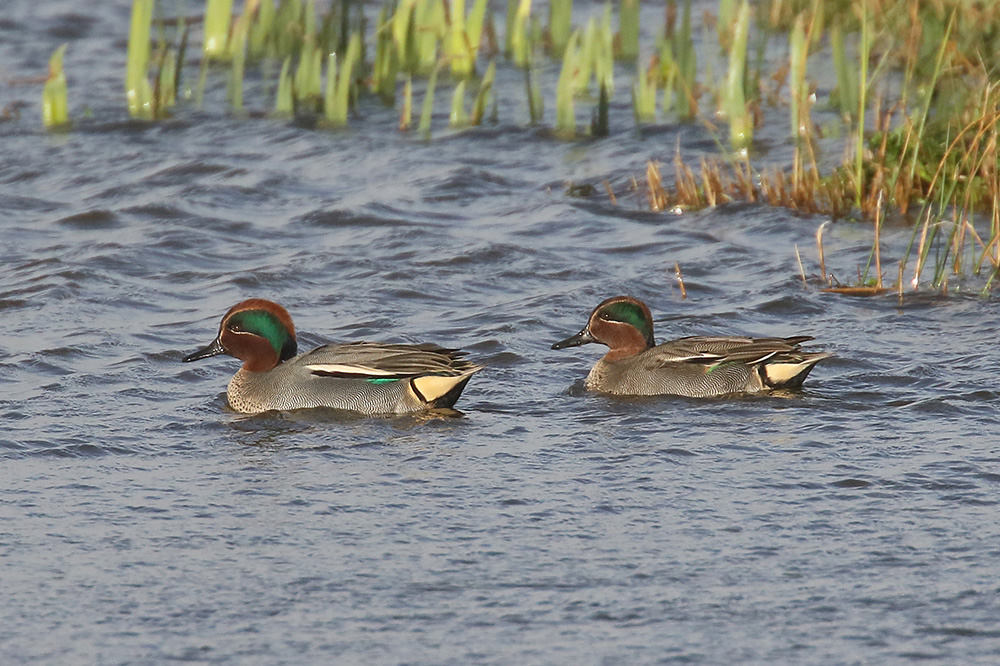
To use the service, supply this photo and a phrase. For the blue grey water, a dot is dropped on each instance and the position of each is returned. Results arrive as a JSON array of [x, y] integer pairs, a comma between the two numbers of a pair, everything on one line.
[[141, 522]]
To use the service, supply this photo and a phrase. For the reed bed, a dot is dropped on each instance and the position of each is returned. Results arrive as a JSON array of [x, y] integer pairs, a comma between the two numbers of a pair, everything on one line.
[[911, 88]]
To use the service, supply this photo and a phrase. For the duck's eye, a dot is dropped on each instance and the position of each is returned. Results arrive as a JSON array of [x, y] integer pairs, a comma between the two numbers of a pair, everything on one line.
[[604, 316]]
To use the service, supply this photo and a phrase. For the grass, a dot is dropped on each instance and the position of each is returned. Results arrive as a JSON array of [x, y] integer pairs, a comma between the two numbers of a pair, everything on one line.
[[908, 91], [55, 104], [138, 91]]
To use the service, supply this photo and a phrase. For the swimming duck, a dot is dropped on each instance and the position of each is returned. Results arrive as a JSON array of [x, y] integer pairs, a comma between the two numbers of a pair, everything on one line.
[[360, 376], [696, 367]]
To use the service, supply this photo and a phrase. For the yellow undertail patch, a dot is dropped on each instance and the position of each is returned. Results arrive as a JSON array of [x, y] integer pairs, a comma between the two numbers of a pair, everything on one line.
[[432, 387], [779, 373]]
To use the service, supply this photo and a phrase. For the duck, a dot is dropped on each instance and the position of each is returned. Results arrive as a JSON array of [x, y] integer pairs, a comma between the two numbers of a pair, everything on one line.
[[695, 367], [364, 377]]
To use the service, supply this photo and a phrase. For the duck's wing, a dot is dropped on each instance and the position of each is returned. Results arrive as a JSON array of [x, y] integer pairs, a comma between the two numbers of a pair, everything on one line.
[[720, 349], [369, 360]]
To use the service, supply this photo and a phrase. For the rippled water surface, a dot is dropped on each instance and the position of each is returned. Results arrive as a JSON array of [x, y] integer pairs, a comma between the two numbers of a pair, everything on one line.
[[143, 522]]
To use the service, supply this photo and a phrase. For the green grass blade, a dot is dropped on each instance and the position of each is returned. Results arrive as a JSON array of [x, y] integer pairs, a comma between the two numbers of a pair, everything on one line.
[[740, 118], [565, 113], [428, 107], [261, 40], [599, 126], [137, 89], [330, 91], [218, 16], [55, 106], [456, 49], [345, 81], [644, 95], [536, 103], [798, 48], [474, 27], [406, 113], [238, 52], [628, 30], [285, 100], [458, 116], [485, 87], [520, 42], [560, 25]]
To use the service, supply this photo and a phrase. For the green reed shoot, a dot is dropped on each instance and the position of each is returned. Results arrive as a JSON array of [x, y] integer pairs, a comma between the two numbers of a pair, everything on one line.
[[330, 92], [846, 93], [510, 22], [309, 74], [261, 42], [218, 16], [429, 29], [667, 75], [406, 111], [628, 30], [165, 86], [565, 113], [289, 30], [536, 103], [458, 117], [920, 122], [474, 27], [740, 118], [465, 33], [238, 53], [285, 100], [137, 89], [172, 66], [55, 105], [402, 34], [724, 23], [687, 66], [599, 123], [644, 93], [560, 25], [798, 53], [520, 41], [338, 104], [865, 50], [456, 48], [589, 48], [485, 87], [386, 66], [604, 53], [428, 107], [309, 19]]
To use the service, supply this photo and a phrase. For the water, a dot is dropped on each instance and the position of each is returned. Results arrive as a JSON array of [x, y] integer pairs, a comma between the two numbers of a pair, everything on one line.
[[142, 522]]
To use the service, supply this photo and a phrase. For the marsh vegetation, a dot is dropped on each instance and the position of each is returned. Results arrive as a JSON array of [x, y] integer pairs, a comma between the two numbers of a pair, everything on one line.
[[890, 108]]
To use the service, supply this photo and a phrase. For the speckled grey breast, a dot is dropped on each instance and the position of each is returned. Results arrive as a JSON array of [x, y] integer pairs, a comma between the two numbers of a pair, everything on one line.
[[296, 384]]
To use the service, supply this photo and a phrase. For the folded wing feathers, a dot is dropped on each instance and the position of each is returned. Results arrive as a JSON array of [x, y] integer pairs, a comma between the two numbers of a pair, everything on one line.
[[370, 360], [716, 350]]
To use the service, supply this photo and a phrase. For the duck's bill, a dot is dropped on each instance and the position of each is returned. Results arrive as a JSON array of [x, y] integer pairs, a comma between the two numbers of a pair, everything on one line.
[[213, 349], [581, 338]]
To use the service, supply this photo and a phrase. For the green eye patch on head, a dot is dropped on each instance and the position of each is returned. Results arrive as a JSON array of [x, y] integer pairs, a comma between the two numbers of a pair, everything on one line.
[[632, 314], [267, 326]]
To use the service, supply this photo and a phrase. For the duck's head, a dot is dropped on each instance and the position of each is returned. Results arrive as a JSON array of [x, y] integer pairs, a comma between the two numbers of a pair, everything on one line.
[[622, 323], [258, 332]]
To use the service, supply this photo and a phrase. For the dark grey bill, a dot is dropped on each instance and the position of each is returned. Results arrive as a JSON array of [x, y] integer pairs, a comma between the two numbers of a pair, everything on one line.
[[213, 349], [581, 338]]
